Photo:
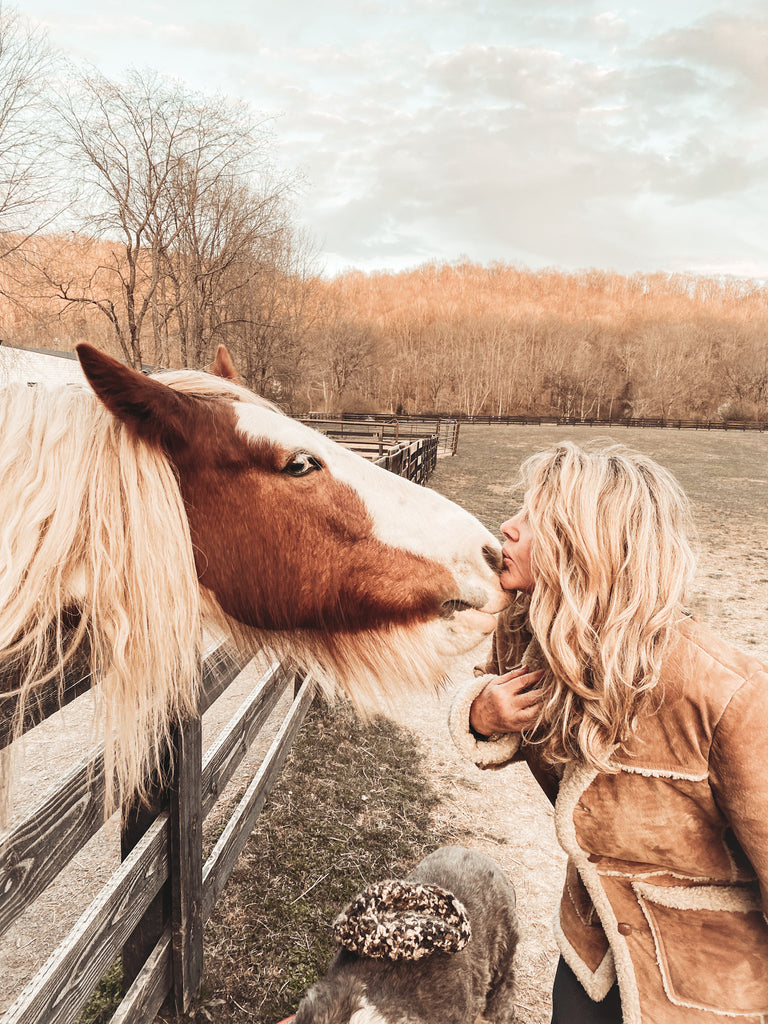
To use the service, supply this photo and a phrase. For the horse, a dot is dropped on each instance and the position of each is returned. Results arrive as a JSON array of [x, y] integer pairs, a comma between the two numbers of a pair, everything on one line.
[[140, 510]]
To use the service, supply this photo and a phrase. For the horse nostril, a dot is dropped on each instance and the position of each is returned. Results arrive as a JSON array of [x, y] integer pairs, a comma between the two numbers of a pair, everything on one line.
[[492, 555]]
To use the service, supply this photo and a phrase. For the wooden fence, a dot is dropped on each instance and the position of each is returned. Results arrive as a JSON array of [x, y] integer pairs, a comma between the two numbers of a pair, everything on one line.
[[362, 433], [567, 421], [152, 911], [636, 421], [413, 459]]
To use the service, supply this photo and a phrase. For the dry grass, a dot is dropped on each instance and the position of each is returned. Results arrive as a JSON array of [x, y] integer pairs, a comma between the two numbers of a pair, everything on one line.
[[352, 806]]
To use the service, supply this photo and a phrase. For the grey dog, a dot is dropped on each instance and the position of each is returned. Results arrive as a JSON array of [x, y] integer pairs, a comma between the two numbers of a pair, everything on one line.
[[430, 985]]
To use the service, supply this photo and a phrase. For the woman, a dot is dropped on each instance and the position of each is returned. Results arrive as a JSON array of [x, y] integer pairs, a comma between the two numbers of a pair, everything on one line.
[[649, 735]]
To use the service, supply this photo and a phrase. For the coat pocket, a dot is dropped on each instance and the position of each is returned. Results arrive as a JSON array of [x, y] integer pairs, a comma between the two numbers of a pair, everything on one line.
[[711, 945]]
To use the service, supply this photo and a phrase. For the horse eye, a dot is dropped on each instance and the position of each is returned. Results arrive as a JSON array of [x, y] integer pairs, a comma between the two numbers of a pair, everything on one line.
[[301, 464]]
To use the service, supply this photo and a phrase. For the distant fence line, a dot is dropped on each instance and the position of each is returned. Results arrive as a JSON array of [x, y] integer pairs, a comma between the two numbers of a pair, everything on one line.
[[559, 421], [635, 421]]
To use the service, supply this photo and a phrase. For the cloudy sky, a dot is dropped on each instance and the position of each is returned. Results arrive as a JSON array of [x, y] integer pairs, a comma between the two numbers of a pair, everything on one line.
[[562, 133]]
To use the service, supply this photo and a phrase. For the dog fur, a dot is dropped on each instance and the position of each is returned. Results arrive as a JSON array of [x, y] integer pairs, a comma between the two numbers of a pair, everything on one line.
[[442, 988]]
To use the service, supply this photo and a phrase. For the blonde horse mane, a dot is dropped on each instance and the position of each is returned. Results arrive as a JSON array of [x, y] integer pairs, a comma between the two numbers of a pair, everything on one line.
[[91, 522]]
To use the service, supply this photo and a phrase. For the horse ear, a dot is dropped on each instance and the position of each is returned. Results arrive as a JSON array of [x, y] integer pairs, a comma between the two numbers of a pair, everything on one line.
[[222, 366], [151, 410]]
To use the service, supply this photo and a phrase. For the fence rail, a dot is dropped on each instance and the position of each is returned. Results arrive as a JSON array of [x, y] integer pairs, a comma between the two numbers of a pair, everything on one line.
[[152, 910], [355, 432], [43, 843], [637, 421], [413, 459]]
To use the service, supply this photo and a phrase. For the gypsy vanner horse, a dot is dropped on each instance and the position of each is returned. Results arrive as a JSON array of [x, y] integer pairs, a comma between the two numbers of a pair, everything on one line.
[[134, 510]]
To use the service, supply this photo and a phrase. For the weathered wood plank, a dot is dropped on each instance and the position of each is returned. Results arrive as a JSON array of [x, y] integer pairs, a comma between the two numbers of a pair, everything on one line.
[[146, 995], [221, 760], [49, 836], [36, 851], [57, 994], [223, 757], [222, 664], [220, 863], [33, 854], [43, 701]]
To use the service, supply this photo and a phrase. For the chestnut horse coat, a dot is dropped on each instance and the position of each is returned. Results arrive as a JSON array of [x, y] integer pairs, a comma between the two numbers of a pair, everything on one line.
[[667, 877]]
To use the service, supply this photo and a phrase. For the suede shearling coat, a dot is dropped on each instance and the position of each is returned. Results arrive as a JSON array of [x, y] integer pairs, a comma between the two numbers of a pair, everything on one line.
[[667, 880]]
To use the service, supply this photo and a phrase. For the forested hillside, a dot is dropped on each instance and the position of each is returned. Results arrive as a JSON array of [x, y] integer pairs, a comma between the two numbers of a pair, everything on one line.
[[453, 338]]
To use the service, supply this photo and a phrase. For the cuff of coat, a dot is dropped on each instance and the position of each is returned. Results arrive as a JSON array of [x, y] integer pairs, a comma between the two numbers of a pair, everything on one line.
[[486, 750]]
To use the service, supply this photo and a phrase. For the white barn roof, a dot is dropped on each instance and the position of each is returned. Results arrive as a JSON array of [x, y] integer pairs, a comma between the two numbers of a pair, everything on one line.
[[36, 367]]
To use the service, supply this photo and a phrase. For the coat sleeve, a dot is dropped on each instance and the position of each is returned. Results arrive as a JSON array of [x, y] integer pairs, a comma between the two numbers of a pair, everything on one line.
[[738, 773], [485, 751], [506, 649], [511, 646], [500, 749]]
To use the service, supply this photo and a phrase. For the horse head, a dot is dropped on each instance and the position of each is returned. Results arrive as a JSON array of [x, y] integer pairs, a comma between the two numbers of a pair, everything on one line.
[[299, 541]]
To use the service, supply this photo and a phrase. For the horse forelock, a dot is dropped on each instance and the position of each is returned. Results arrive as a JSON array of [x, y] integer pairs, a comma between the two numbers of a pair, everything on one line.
[[208, 385]]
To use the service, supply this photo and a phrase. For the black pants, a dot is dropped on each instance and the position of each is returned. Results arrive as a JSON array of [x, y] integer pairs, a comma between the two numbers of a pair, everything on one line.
[[572, 1005]]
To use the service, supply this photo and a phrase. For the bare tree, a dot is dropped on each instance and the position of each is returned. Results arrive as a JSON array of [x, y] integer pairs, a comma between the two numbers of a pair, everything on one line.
[[746, 376], [231, 241], [342, 349], [157, 162], [270, 317], [26, 63]]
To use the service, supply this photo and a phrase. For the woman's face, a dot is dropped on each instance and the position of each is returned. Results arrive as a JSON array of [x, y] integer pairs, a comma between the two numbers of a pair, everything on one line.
[[517, 573]]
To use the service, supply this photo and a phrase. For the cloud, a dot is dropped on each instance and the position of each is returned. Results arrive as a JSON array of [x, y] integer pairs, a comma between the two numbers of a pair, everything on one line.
[[553, 132], [525, 154], [729, 44]]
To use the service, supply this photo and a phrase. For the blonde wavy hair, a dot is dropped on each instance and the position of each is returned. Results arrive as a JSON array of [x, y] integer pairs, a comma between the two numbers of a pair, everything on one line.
[[612, 562]]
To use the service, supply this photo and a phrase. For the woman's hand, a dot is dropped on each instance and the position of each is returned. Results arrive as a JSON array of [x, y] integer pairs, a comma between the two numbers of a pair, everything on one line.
[[507, 704]]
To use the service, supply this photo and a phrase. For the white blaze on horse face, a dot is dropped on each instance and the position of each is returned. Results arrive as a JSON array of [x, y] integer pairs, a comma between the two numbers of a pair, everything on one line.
[[405, 515]]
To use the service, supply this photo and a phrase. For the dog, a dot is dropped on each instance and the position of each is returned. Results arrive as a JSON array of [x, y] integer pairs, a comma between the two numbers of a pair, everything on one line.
[[436, 948]]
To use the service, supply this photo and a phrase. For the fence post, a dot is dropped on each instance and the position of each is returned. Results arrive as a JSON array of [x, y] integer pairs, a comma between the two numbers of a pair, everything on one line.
[[186, 842], [179, 902], [136, 820]]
